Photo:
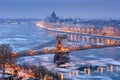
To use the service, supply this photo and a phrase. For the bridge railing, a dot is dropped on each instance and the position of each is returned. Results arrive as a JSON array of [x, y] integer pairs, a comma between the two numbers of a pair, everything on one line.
[[37, 50]]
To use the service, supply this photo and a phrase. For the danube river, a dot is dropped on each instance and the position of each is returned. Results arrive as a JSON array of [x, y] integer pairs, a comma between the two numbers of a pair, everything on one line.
[[23, 36]]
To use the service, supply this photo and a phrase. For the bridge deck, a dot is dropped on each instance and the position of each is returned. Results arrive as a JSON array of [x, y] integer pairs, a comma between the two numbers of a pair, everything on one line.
[[85, 47]]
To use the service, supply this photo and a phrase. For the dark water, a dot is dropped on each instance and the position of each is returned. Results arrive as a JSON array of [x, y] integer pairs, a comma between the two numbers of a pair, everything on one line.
[[24, 36]]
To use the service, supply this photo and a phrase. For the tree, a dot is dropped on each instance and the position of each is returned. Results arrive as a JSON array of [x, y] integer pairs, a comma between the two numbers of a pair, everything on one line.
[[5, 57]]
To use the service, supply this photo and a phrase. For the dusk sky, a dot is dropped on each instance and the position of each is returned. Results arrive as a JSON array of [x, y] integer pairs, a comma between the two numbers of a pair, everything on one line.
[[63, 8]]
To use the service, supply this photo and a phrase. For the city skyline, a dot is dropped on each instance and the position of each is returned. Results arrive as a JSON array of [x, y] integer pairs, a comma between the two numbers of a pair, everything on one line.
[[63, 8]]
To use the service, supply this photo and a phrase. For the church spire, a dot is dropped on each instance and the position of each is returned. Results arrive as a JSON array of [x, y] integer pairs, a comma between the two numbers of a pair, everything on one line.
[[53, 15], [52, 18]]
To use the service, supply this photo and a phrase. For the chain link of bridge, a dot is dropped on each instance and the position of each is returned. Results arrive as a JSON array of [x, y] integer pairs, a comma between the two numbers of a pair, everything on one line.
[[61, 50]]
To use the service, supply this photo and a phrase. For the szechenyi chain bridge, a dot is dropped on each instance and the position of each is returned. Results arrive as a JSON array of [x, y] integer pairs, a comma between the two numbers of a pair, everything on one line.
[[67, 42], [63, 43]]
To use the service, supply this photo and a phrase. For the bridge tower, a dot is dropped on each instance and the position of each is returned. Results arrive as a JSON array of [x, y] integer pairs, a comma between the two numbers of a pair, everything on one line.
[[62, 50]]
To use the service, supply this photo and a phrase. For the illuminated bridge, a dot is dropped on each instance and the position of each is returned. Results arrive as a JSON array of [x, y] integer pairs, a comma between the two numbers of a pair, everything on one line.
[[62, 47]]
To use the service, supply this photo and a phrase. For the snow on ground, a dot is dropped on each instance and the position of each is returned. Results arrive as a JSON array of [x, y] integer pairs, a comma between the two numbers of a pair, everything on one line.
[[47, 61], [80, 77]]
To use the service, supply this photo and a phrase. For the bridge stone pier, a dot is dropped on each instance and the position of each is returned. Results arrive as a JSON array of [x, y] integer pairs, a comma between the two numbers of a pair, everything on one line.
[[62, 51]]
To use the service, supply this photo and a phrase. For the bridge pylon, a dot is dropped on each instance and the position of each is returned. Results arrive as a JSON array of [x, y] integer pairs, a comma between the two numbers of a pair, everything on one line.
[[62, 50]]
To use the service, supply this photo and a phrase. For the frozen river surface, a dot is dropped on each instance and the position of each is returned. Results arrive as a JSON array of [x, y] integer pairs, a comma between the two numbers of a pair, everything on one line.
[[24, 36]]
